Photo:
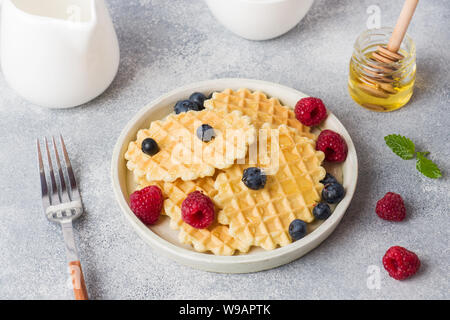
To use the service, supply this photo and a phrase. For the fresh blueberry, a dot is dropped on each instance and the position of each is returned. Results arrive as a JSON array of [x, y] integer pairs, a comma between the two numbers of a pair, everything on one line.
[[198, 98], [328, 179], [205, 133], [297, 229], [322, 211], [333, 192], [254, 178], [187, 105], [149, 146]]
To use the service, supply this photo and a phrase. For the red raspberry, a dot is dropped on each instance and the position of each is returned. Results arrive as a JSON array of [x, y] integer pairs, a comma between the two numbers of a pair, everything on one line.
[[333, 145], [197, 210], [391, 207], [147, 204], [310, 111], [400, 263]]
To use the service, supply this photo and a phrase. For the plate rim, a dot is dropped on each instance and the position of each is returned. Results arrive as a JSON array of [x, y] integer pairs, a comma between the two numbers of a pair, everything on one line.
[[249, 262]]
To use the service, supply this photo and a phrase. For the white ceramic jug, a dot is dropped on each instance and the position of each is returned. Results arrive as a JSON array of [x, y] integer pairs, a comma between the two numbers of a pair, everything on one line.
[[58, 53]]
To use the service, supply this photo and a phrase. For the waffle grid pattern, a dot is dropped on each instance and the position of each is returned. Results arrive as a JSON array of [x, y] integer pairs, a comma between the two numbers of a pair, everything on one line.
[[259, 108], [215, 238], [262, 217], [182, 154]]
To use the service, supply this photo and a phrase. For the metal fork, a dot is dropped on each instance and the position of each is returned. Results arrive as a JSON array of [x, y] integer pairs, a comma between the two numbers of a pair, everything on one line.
[[62, 204]]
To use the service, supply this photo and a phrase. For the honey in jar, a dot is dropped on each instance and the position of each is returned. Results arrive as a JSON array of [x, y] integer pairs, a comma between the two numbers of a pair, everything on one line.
[[381, 86]]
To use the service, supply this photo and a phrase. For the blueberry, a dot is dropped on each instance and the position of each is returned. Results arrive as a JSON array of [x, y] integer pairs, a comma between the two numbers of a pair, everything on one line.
[[333, 192], [328, 179], [322, 211], [254, 178], [198, 98], [297, 229], [205, 133], [187, 105], [149, 146]]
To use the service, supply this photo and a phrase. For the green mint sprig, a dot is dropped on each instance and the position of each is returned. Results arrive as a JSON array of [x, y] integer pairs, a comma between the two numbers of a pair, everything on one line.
[[427, 167], [405, 149], [402, 146]]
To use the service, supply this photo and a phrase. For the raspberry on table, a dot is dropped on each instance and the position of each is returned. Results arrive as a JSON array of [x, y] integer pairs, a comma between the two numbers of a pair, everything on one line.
[[333, 145], [400, 263], [310, 111], [197, 210], [147, 204], [391, 207]]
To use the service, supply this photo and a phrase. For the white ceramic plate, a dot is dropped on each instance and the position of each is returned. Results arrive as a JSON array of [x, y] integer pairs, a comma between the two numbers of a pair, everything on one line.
[[164, 240]]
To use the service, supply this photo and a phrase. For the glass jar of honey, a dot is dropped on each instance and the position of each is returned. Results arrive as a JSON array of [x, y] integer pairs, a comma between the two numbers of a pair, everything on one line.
[[381, 86]]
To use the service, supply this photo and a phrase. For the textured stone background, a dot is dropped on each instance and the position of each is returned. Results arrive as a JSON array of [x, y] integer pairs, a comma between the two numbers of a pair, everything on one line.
[[165, 46]]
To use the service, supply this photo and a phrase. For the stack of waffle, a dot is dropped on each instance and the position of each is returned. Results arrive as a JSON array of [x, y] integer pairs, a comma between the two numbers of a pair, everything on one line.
[[244, 217]]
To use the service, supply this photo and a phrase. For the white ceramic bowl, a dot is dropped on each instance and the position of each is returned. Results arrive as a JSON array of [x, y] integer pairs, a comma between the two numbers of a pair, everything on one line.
[[259, 19], [164, 240]]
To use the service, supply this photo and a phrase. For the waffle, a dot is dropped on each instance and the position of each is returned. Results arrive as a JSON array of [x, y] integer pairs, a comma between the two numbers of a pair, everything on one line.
[[258, 107], [262, 217], [182, 154], [215, 238]]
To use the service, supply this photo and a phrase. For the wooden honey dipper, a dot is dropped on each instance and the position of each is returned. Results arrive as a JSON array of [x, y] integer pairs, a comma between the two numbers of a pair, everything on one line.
[[384, 58]]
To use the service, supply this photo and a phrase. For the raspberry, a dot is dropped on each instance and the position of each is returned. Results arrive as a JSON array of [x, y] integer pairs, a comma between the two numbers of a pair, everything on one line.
[[197, 210], [391, 207], [333, 145], [147, 204], [310, 111], [400, 263]]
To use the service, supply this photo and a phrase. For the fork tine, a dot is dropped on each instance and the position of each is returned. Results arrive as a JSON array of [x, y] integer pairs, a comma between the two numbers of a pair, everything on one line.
[[64, 192], [72, 181], [55, 193], [44, 186]]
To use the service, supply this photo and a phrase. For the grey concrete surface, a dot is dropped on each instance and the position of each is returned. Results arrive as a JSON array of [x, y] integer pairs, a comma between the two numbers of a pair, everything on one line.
[[166, 44]]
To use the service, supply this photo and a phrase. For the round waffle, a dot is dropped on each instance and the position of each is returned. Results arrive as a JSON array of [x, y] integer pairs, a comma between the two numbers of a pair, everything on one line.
[[181, 152], [216, 238], [262, 217], [259, 108]]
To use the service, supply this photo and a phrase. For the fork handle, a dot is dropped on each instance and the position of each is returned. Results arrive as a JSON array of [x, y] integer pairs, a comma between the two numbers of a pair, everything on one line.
[[79, 286], [76, 273]]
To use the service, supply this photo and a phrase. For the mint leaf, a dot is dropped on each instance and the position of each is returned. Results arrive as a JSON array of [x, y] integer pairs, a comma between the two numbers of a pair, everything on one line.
[[400, 145], [427, 167]]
